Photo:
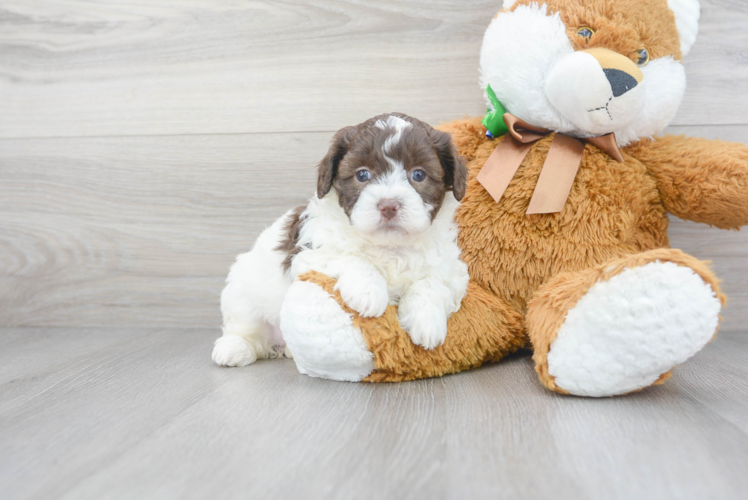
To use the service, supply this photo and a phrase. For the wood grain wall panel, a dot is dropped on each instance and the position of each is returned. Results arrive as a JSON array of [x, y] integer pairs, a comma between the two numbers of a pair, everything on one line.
[[137, 231], [89, 68]]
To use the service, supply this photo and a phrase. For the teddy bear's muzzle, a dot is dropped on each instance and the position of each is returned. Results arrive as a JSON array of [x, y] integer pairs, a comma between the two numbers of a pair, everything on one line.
[[597, 90]]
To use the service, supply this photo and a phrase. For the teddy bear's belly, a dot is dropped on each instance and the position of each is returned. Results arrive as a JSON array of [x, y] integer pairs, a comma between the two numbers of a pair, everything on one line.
[[613, 209]]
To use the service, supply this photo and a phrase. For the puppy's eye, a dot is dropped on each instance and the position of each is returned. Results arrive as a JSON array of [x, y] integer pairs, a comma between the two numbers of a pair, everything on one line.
[[418, 175], [642, 57], [363, 175], [585, 32]]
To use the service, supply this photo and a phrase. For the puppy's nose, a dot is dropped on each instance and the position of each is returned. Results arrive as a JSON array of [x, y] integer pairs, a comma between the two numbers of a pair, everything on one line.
[[388, 208]]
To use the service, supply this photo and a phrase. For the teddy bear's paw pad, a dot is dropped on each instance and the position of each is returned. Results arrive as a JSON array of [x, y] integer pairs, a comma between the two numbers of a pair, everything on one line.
[[626, 332], [322, 337], [233, 350]]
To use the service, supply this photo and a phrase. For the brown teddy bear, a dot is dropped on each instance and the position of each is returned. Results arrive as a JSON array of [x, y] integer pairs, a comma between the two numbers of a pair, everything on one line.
[[564, 222]]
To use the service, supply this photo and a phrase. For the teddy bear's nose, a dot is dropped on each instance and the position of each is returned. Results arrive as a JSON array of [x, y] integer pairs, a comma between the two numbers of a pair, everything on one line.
[[619, 70], [620, 81]]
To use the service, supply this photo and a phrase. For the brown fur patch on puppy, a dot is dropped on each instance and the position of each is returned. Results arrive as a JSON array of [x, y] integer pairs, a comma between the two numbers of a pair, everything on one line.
[[328, 167], [290, 242]]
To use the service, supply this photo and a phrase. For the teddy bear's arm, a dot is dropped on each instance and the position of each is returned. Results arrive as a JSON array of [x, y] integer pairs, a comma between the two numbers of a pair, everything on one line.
[[698, 179], [467, 134]]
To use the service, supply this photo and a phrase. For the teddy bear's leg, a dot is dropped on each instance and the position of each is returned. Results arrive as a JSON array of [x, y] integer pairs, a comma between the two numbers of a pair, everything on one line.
[[329, 340], [623, 325]]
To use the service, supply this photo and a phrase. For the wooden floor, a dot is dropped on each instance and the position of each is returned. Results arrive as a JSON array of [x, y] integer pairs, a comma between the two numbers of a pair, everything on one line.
[[144, 144], [101, 413]]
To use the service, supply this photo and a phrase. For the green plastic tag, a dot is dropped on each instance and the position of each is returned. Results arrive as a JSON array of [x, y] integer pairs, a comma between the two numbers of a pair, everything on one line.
[[494, 120]]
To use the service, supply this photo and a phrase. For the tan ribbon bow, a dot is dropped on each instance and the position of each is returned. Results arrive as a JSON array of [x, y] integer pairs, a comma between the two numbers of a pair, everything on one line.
[[559, 170]]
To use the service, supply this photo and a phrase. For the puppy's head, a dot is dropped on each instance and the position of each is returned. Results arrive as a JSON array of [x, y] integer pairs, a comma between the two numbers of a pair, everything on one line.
[[391, 174]]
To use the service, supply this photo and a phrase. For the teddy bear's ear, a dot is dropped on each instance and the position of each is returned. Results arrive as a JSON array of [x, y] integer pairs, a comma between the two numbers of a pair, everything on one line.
[[687, 13]]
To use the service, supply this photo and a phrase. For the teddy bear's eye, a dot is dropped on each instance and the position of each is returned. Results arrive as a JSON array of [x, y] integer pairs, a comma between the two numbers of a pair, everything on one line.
[[585, 32], [642, 57]]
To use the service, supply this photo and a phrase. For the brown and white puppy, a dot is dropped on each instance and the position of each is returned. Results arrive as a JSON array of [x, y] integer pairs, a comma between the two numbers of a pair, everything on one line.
[[381, 223]]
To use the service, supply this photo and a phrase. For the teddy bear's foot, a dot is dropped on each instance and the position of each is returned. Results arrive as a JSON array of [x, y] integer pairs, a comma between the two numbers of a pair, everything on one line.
[[321, 335], [627, 324]]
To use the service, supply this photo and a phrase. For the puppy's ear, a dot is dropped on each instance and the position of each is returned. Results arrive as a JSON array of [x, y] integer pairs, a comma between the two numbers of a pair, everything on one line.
[[455, 172], [328, 167]]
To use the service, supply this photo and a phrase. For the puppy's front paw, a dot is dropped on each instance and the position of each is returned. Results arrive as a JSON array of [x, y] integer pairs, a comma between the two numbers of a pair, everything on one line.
[[367, 295], [426, 325], [233, 350]]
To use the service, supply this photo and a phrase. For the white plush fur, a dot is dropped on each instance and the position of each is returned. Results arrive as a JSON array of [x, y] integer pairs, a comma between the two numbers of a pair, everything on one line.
[[409, 260], [519, 50], [594, 109], [523, 48], [687, 14], [665, 86], [628, 331], [322, 335]]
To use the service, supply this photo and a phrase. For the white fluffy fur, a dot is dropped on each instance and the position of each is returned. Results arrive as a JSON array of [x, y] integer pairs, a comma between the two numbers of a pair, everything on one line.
[[322, 335], [519, 49], [250, 312], [665, 86], [523, 47], [594, 109], [410, 261], [628, 331]]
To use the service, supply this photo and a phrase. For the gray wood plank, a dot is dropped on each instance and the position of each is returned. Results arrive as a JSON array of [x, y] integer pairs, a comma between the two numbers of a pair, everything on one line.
[[144, 414], [140, 231], [86, 68]]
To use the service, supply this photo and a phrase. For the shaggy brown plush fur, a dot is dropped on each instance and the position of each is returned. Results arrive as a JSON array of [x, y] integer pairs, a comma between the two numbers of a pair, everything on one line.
[[613, 210], [698, 179]]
